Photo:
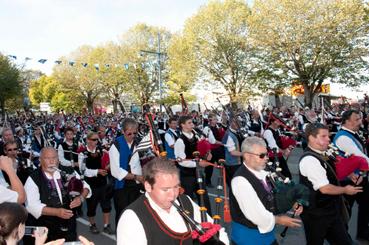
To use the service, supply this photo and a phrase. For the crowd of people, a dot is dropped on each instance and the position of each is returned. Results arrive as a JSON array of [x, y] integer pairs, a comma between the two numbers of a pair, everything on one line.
[[52, 164]]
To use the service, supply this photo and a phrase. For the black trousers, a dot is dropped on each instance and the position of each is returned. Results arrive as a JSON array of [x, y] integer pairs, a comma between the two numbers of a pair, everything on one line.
[[362, 199], [190, 186], [98, 196], [319, 228], [230, 170], [217, 153], [125, 196]]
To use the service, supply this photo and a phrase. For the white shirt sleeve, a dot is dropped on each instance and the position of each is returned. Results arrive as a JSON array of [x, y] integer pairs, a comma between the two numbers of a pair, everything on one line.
[[169, 139], [7, 195], [130, 229], [62, 160], [33, 202], [179, 152], [116, 171], [230, 144], [209, 135], [346, 144], [268, 136], [251, 206], [311, 168]]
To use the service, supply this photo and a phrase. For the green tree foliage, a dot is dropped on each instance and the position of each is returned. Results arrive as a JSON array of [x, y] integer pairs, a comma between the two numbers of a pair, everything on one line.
[[311, 42], [9, 82], [217, 39], [82, 81], [143, 67]]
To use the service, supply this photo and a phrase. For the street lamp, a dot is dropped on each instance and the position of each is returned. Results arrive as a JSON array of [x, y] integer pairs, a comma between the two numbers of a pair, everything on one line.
[[159, 55]]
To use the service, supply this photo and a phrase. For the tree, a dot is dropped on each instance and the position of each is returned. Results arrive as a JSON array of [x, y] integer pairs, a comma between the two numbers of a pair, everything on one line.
[[217, 35], [143, 68], [82, 78], [9, 82], [311, 42]]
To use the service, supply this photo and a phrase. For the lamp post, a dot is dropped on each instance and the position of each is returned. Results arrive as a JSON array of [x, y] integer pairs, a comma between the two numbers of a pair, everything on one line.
[[159, 56]]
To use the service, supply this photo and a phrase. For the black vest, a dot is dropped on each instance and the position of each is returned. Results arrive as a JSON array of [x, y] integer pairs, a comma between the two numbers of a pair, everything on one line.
[[190, 148], [93, 161], [265, 197], [153, 225], [70, 151], [49, 196], [319, 203]]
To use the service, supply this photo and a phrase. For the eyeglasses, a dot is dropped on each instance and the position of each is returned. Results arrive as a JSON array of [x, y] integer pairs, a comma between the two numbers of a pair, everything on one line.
[[261, 155], [12, 149], [94, 139]]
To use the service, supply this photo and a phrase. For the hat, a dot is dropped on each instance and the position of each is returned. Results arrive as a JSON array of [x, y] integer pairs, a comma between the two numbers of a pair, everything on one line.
[[17, 129]]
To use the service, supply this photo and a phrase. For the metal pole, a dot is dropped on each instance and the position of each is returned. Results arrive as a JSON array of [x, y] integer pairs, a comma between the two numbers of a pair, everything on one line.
[[159, 75]]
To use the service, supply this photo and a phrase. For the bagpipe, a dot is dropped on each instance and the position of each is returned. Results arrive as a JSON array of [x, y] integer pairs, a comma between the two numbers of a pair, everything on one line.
[[205, 232], [345, 163], [286, 192], [73, 185]]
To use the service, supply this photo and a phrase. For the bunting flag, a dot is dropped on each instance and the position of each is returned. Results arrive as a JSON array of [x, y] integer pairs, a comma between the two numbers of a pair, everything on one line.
[[42, 61], [125, 66]]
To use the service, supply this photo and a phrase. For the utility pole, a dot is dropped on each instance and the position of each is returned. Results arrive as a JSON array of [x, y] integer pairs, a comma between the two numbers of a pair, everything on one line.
[[159, 55]]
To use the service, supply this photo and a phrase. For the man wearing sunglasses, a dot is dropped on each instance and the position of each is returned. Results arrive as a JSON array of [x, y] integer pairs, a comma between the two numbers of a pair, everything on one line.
[[252, 201], [126, 168]]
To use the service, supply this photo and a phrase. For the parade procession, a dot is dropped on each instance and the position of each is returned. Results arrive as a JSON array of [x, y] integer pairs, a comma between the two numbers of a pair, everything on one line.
[[227, 122]]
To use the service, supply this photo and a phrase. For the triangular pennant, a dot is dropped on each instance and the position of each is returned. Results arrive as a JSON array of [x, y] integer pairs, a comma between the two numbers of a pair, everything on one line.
[[27, 58], [107, 65], [84, 64], [58, 62], [12, 56], [71, 63], [42, 61], [126, 66], [97, 67]]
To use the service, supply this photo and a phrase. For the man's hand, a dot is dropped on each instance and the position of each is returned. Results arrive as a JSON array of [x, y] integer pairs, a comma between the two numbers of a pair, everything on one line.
[[6, 164], [287, 221], [64, 213], [356, 179], [352, 190], [204, 163], [298, 208], [75, 203], [140, 178], [102, 172]]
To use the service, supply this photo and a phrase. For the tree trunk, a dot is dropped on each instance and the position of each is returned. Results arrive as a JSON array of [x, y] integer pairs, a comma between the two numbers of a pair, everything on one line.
[[115, 105], [90, 104], [2, 107], [308, 95]]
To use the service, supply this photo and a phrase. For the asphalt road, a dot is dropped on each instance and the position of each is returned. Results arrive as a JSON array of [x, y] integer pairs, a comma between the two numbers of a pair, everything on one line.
[[293, 237]]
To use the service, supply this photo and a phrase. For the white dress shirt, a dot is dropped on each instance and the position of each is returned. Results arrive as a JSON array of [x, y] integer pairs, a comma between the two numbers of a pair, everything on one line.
[[268, 136], [118, 172], [249, 202], [169, 138], [179, 152], [311, 168], [7, 195], [33, 202], [209, 135], [346, 144], [131, 231]]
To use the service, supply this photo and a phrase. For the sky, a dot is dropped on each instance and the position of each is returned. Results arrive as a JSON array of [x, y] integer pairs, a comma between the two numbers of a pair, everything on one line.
[[50, 29]]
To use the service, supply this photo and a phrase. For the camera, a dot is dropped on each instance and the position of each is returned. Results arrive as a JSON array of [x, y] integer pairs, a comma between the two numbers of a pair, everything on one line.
[[30, 230]]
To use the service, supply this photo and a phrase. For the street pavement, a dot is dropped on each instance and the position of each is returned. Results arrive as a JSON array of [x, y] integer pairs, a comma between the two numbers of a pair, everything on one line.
[[294, 235]]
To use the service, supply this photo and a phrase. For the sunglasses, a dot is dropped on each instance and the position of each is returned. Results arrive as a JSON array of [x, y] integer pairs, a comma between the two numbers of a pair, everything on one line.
[[261, 155], [12, 149], [130, 134], [94, 139]]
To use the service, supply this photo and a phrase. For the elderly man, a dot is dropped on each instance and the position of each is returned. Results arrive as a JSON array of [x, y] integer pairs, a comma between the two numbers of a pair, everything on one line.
[[48, 200], [7, 135], [152, 219], [252, 202]]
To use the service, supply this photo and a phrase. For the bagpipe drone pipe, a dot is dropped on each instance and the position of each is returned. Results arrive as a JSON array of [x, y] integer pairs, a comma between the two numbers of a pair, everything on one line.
[[345, 163]]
